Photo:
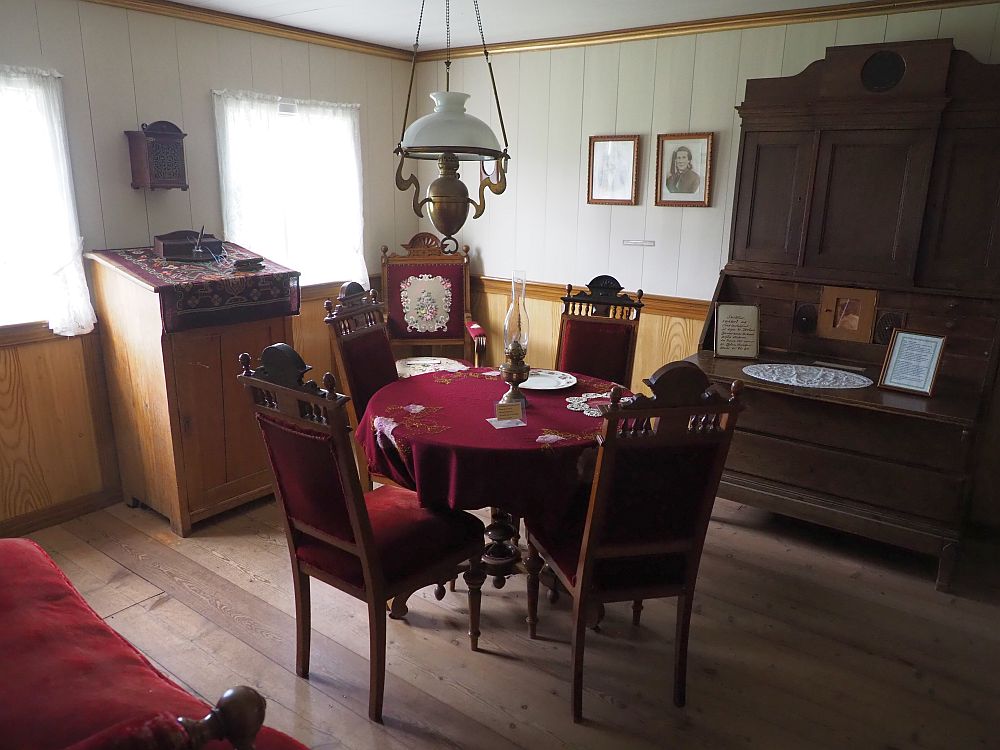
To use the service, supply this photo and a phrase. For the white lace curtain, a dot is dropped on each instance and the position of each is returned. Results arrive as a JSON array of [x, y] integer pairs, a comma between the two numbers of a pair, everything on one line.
[[41, 257], [291, 182]]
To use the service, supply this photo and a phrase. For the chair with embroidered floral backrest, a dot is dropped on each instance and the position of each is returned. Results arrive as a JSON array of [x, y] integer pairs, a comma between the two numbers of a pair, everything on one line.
[[429, 304], [376, 546], [641, 534], [598, 330]]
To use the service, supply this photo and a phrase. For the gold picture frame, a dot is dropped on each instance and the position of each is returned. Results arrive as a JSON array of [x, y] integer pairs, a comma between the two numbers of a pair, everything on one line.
[[846, 313], [613, 170], [684, 169], [912, 361]]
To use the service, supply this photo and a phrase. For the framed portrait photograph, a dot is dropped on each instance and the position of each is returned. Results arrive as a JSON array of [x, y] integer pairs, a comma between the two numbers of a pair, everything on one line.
[[846, 313], [613, 173], [912, 362], [683, 169]]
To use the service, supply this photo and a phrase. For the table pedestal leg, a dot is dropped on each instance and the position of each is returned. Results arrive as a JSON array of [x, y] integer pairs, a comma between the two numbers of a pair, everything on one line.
[[501, 555]]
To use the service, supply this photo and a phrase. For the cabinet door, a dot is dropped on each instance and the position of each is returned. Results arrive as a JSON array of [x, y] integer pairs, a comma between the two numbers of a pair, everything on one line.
[[867, 205], [960, 248], [774, 177], [224, 458]]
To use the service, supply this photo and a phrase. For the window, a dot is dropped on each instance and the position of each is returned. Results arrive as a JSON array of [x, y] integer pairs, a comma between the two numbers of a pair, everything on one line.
[[290, 172], [41, 264]]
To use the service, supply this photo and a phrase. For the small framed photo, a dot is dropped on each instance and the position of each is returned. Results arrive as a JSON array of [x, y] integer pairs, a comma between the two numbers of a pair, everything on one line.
[[613, 170], [846, 314], [737, 331], [912, 362], [683, 169]]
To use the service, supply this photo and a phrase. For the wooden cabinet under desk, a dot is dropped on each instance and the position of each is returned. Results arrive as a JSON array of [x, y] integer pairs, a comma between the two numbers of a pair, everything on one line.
[[187, 445]]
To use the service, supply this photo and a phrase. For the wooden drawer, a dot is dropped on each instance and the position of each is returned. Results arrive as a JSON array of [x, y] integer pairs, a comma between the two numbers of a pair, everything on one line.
[[866, 479], [892, 437]]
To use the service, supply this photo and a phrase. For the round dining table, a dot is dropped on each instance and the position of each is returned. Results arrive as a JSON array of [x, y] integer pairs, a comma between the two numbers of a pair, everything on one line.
[[430, 433]]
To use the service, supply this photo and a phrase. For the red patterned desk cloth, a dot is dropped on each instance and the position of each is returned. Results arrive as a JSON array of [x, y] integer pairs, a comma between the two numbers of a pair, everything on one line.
[[429, 433], [198, 294]]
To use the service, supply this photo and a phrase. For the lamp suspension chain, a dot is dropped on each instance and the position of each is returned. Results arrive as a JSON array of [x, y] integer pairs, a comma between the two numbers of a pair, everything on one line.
[[413, 71], [493, 80], [447, 33]]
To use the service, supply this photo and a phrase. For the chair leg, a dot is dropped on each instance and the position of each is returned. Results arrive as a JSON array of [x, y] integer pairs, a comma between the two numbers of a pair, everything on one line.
[[474, 577], [579, 636], [684, 602], [376, 656], [533, 565], [303, 620], [636, 611]]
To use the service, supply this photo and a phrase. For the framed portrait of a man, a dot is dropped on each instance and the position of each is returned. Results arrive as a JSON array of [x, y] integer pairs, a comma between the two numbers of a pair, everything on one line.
[[683, 169], [613, 174]]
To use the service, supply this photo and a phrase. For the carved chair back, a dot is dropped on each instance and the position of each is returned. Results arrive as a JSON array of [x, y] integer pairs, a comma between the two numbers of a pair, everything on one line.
[[427, 294], [658, 469], [307, 437], [361, 352], [598, 331]]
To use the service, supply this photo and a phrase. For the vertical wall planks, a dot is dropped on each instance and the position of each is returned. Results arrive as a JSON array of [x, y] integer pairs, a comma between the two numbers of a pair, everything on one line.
[[715, 71], [498, 252], [533, 141], [600, 105], [805, 43], [634, 115], [379, 141], [565, 142], [294, 69], [673, 78], [62, 49], [406, 220], [867, 30], [905, 26], [971, 27], [19, 38], [265, 64], [108, 57], [156, 74]]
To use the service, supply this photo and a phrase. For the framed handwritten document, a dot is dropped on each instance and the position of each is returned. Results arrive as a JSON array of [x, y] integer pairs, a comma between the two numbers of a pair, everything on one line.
[[737, 331], [912, 362]]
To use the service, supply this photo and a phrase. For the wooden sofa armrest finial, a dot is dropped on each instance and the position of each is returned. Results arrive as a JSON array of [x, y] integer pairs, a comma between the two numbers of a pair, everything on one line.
[[237, 717]]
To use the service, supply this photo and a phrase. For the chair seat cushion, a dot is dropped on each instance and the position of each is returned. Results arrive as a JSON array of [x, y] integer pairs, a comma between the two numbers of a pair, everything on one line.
[[407, 538]]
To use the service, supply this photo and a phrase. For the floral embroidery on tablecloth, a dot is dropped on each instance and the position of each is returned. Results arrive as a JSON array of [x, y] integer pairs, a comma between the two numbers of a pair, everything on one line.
[[415, 418], [426, 302], [447, 378]]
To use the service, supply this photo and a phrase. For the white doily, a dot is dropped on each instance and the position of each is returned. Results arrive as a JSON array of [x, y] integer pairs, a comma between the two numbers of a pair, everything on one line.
[[807, 376]]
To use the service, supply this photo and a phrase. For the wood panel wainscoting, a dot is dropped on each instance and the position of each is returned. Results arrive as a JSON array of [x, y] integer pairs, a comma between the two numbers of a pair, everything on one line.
[[57, 447], [668, 330]]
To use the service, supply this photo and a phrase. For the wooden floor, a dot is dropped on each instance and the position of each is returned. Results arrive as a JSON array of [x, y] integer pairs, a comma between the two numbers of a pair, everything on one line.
[[801, 638]]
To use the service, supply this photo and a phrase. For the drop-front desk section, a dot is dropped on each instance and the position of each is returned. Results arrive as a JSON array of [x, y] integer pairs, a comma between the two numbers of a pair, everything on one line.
[[172, 335], [892, 466]]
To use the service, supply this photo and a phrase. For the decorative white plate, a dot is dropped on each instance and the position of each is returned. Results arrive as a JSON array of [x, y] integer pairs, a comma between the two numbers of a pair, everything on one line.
[[807, 376], [411, 366], [548, 380]]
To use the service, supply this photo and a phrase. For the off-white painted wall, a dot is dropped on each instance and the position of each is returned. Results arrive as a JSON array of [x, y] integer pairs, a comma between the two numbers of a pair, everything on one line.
[[122, 68], [554, 100]]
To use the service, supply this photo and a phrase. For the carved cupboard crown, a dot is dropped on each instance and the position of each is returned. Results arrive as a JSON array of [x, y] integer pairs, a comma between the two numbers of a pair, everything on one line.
[[876, 168]]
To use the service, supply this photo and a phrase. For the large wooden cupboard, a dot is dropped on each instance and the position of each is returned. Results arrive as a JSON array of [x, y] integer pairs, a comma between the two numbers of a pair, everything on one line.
[[876, 168], [187, 444]]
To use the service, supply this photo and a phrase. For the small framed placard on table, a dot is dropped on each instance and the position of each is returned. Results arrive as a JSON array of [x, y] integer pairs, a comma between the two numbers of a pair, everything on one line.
[[912, 362], [737, 331]]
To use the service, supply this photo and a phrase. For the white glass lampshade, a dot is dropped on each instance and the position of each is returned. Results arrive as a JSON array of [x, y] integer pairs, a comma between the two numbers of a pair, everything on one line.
[[449, 128]]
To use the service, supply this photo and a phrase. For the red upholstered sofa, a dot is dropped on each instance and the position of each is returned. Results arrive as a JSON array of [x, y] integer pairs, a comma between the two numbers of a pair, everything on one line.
[[67, 680]]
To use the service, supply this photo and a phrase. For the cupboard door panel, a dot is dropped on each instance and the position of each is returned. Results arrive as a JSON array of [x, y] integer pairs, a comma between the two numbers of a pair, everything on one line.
[[868, 202], [961, 243], [772, 192]]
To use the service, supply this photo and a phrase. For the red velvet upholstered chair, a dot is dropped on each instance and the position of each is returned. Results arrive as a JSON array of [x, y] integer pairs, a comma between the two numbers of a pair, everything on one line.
[[641, 537], [598, 331], [376, 546], [429, 304], [360, 343]]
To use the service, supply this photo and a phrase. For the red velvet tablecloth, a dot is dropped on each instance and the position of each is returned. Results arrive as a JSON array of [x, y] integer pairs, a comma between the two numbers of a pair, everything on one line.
[[430, 433]]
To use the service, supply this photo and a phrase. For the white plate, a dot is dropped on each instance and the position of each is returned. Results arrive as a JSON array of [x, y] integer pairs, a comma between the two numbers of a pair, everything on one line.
[[548, 380]]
